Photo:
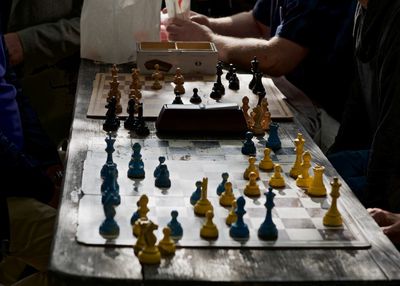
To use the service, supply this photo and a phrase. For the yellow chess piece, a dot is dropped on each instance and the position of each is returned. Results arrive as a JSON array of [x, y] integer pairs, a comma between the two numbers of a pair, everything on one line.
[[332, 216], [203, 204], [156, 76], [136, 84], [179, 80], [304, 179], [257, 115], [251, 168], [227, 197], [166, 244], [266, 163], [209, 230], [295, 171], [277, 181], [140, 242], [252, 189], [142, 211], [232, 217], [317, 188], [150, 253]]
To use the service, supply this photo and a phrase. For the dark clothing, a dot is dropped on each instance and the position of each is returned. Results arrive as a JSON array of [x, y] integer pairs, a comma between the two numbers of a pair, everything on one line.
[[372, 116], [325, 29]]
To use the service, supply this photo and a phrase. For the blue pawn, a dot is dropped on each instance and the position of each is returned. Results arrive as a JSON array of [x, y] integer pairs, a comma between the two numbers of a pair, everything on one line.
[[268, 230], [273, 142], [135, 216], [109, 228], [175, 226], [161, 159], [248, 147], [196, 194], [136, 165], [162, 180], [221, 186], [239, 229]]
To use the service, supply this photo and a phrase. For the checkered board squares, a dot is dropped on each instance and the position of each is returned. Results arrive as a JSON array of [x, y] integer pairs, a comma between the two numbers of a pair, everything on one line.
[[153, 100], [297, 216]]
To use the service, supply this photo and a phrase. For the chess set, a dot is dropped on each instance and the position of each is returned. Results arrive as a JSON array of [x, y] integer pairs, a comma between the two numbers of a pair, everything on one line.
[[297, 216]]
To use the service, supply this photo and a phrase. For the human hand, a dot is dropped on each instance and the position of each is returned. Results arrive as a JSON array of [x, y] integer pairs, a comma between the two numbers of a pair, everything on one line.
[[183, 30], [389, 223], [14, 47], [200, 19]]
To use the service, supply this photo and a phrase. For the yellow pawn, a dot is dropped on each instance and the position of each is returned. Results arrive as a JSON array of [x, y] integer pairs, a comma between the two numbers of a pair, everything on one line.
[[209, 230], [142, 211], [203, 204], [332, 216], [295, 171], [317, 188], [140, 242], [252, 189], [156, 76], [277, 181], [251, 168], [266, 163], [166, 244], [150, 253], [227, 197], [304, 179], [232, 217]]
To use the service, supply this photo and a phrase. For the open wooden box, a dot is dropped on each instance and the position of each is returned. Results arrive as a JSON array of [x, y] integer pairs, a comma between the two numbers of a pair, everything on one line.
[[191, 57]]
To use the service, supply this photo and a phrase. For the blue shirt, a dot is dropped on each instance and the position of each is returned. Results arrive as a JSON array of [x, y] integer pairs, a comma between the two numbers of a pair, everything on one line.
[[324, 27]]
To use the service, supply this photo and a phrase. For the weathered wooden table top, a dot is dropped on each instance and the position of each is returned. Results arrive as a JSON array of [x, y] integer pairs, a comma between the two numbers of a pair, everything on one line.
[[77, 264]]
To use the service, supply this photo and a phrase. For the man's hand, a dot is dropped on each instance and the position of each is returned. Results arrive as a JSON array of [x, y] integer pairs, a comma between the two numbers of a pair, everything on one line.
[[200, 19], [389, 223], [14, 47], [182, 30]]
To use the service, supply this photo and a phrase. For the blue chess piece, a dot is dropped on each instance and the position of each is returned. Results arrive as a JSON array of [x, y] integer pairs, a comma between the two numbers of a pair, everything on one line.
[[196, 194], [268, 230], [175, 226], [248, 147], [161, 159], [136, 165], [221, 186], [110, 185], [239, 229], [109, 162], [273, 142], [109, 228], [162, 180]]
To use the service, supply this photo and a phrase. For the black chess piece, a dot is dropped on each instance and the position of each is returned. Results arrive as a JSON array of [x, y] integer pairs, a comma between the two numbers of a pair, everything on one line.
[[112, 121], [196, 99], [219, 85], [141, 128], [178, 99], [261, 95], [215, 93], [254, 70], [131, 122], [258, 87], [230, 72], [234, 81]]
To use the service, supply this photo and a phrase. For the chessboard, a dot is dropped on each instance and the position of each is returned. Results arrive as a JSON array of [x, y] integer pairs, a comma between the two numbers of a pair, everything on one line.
[[153, 100], [297, 216]]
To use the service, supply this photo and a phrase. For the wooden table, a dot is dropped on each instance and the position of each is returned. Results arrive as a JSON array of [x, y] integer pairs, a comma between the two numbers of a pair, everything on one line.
[[76, 264]]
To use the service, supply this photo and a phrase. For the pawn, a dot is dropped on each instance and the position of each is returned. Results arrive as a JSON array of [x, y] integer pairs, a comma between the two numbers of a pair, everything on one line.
[[239, 229], [141, 128], [161, 161], [166, 244], [175, 226], [227, 197], [156, 76], [195, 99], [112, 121], [332, 216], [266, 163], [162, 180], [221, 186], [136, 165], [196, 194], [232, 217], [215, 93], [234, 81], [150, 253], [252, 189], [131, 122], [179, 81], [251, 168], [177, 99], [230, 72], [209, 230], [249, 148], [273, 141], [317, 188], [277, 181]]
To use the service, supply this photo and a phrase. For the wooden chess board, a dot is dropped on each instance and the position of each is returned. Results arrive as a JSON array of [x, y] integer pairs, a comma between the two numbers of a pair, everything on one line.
[[297, 216], [153, 100]]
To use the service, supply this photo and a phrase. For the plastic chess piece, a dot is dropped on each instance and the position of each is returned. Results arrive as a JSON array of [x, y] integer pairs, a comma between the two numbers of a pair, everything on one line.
[[141, 215], [239, 229], [177, 99], [135, 84], [114, 70], [259, 87], [245, 109], [252, 189], [317, 188], [304, 179], [166, 245], [179, 81], [114, 92], [196, 194], [109, 162], [254, 70], [195, 99], [221, 186], [141, 128], [131, 122], [156, 76], [232, 217], [249, 148], [268, 230], [220, 87], [209, 230], [295, 171], [140, 241], [150, 253], [227, 197], [251, 168], [136, 165], [135, 216], [161, 160], [203, 204], [332, 216], [230, 72], [257, 115], [175, 226], [112, 122], [109, 228], [215, 93], [234, 83], [273, 142], [266, 121], [162, 180], [266, 163], [277, 181]]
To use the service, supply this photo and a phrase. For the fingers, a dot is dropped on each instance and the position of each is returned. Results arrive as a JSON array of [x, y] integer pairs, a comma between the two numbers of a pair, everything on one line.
[[393, 232]]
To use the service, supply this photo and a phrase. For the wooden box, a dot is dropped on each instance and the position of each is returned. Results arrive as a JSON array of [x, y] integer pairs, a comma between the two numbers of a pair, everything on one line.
[[191, 57]]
